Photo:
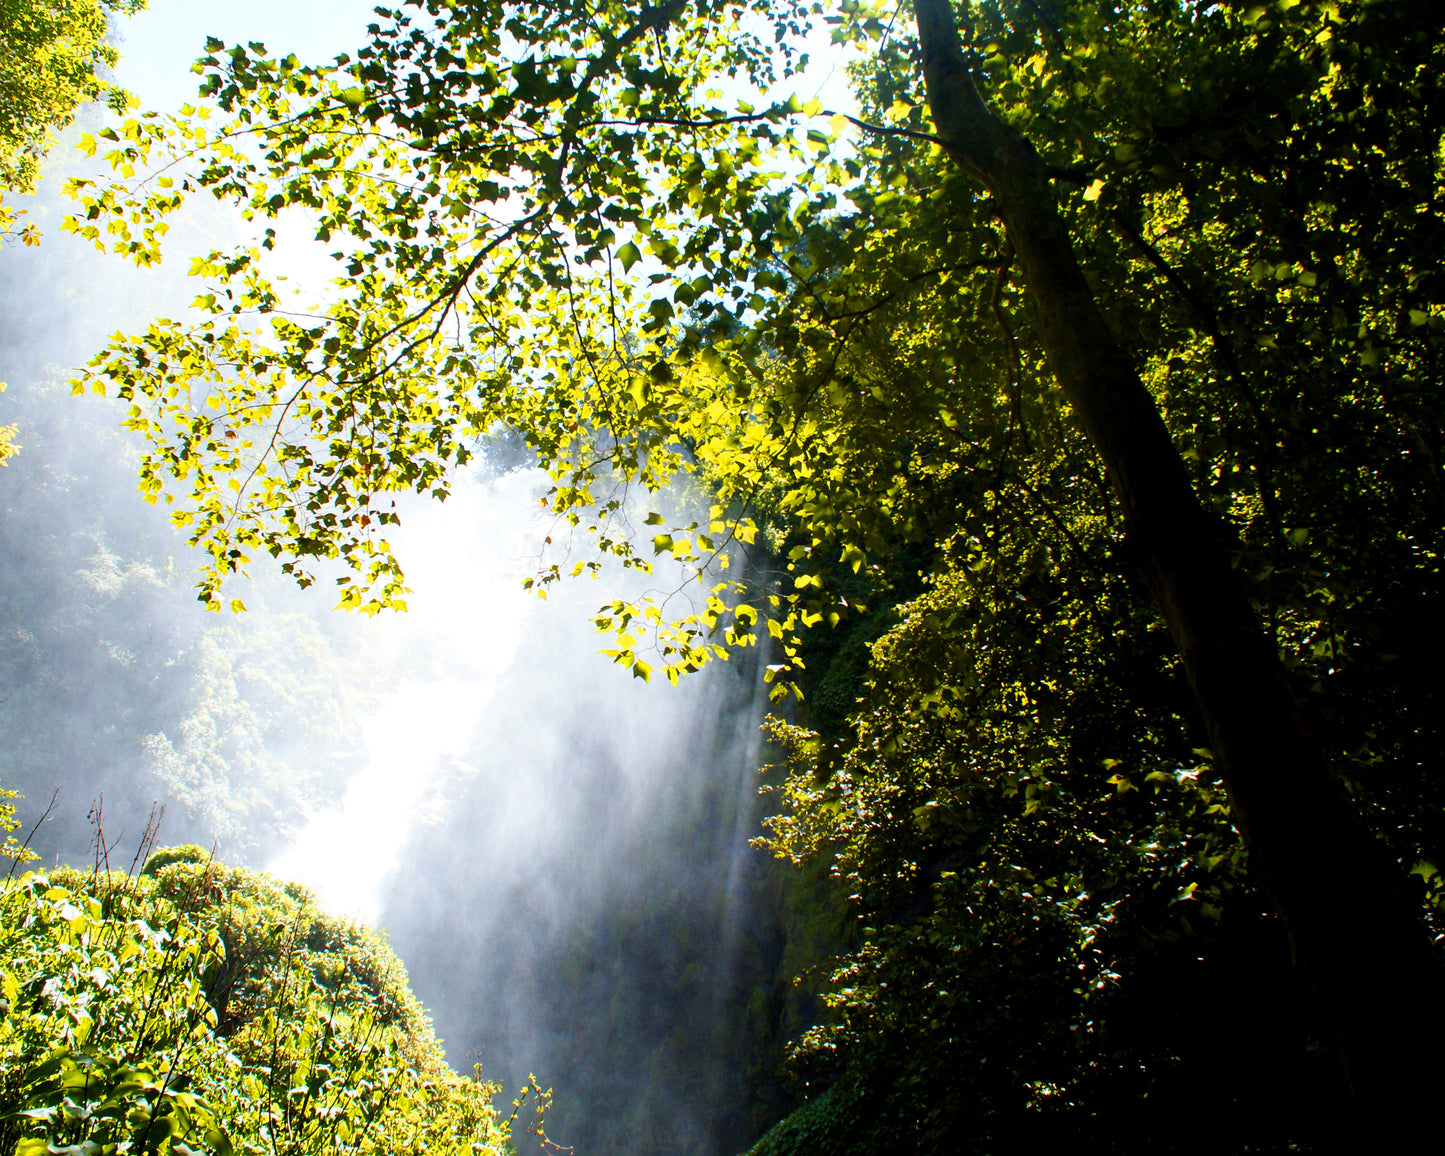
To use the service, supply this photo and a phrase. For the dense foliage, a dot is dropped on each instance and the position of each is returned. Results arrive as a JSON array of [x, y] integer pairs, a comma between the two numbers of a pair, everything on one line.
[[197, 1008], [1043, 869], [55, 60], [56, 55], [548, 217]]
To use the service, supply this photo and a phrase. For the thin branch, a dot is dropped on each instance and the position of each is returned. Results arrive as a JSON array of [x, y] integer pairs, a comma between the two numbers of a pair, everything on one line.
[[648, 19], [912, 279], [34, 827], [883, 130]]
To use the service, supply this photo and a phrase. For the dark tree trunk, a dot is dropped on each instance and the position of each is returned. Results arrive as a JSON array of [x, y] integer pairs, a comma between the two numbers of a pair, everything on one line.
[[1374, 973]]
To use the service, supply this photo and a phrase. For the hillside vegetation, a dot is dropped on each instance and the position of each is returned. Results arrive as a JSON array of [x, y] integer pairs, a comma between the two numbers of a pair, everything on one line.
[[199, 1008]]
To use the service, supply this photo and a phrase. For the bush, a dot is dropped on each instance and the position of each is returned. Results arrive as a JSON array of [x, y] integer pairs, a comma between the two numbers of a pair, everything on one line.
[[199, 1008]]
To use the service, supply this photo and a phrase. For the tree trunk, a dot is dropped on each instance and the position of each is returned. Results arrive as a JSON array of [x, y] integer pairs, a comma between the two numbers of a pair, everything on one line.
[[1375, 975]]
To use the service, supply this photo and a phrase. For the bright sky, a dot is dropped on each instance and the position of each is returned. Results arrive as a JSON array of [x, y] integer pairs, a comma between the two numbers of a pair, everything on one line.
[[158, 45]]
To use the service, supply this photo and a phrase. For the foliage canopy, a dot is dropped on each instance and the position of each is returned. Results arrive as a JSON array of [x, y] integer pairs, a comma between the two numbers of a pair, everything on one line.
[[550, 216], [56, 54], [197, 1008]]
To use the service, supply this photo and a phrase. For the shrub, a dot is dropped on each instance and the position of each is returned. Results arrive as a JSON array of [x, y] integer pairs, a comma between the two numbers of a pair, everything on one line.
[[199, 1008]]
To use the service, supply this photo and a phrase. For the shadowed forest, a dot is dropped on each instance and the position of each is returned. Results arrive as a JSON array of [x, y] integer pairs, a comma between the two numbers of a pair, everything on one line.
[[734, 576]]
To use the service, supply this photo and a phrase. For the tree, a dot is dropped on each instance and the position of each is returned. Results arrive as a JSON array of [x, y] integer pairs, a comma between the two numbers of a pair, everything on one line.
[[497, 174], [217, 1010], [1349, 922], [55, 55], [55, 59]]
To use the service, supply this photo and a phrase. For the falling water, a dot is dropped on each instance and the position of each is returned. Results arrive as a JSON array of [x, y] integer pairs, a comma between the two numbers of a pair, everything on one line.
[[558, 851], [457, 641]]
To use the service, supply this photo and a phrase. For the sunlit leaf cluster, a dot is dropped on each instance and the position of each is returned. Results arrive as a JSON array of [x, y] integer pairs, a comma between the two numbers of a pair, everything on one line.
[[56, 57], [202, 1009]]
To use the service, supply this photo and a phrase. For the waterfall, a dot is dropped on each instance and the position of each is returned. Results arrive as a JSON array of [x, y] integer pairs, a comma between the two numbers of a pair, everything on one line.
[[558, 850], [444, 660]]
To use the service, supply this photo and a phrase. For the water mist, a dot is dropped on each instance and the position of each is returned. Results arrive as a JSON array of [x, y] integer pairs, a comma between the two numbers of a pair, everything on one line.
[[558, 850]]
